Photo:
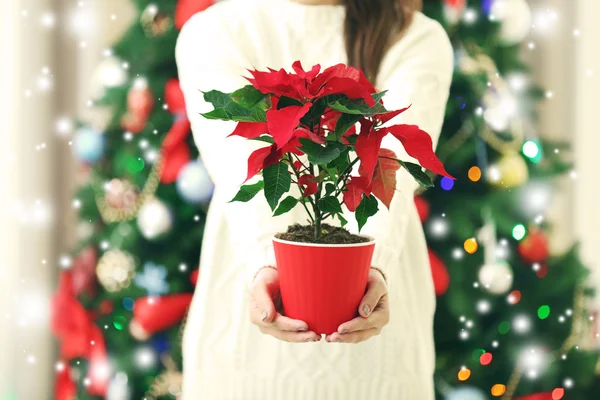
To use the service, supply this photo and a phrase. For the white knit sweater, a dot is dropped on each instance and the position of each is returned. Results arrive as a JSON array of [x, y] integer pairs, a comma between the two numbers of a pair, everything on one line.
[[225, 356]]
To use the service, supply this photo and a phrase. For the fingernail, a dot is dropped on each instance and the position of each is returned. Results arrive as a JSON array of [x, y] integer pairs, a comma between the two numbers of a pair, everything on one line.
[[309, 340], [366, 309], [302, 329], [265, 314], [345, 331], [337, 340]]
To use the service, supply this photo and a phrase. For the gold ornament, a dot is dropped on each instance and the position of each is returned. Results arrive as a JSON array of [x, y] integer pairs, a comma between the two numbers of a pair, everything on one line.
[[167, 383], [115, 270], [154, 22], [510, 171]]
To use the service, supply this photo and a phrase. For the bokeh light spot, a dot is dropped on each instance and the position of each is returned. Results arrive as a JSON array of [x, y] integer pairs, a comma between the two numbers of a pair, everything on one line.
[[504, 327], [471, 245], [519, 232], [544, 312], [464, 374], [447, 183], [498, 390], [485, 359], [474, 174]]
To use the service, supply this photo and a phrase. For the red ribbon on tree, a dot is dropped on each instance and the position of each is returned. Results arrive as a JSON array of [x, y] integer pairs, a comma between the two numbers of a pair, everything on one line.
[[439, 273], [154, 314], [187, 8], [64, 387], [174, 148], [79, 336]]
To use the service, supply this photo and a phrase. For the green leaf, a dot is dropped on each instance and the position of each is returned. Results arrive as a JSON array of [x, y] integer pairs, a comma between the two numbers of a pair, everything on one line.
[[248, 96], [366, 209], [378, 96], [330, 204], [343, 220], [352, 139], [286, 205], [345, 122], [318, 154], [358, 107], [277, 182], [264, 138], [227, 109], [247, 192], [288, 101], [417, 172], [329, 188]]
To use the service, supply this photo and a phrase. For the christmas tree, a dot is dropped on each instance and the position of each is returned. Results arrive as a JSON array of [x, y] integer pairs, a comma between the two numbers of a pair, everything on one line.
[[123, 294], [511, 320]]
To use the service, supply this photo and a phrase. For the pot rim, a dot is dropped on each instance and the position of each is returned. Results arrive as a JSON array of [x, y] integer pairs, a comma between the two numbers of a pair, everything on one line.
[[331, 245]]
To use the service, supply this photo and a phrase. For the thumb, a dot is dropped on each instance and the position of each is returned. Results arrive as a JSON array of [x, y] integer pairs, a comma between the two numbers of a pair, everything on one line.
[[264, 302], [375, 291]]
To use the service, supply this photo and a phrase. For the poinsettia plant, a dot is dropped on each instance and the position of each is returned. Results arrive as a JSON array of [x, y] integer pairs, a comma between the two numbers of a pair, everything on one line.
[[318, 126]]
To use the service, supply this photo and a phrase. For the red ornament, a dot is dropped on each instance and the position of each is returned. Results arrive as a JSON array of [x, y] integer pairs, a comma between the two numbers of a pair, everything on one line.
[[536, 396], [64, 387], [187, 8], [140, 103], [174, 148], [84, 271], [194, 276], [439, 272], [534, 247], [155, 314], [422, 208], [99, 371], [456, 3], [106, 307]]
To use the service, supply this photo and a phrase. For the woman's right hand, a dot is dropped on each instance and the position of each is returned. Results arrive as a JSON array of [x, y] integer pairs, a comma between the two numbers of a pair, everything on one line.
[[264, 293]]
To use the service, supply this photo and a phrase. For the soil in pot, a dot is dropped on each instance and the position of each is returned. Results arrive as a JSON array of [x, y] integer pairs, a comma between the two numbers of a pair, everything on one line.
[[330, 235]]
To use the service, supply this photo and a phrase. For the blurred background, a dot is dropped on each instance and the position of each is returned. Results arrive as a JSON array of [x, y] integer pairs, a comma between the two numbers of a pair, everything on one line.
[[103, 201]]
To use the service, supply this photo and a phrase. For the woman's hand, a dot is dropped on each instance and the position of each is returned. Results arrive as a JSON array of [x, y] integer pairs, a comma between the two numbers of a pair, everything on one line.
[[374, 313], [264, 292]]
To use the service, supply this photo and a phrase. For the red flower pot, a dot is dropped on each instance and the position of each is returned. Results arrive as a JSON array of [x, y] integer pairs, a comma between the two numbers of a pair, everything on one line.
[[322, 284]]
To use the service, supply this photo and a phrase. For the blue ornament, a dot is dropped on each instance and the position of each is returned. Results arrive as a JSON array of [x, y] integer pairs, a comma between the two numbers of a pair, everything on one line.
[[88, 145], [487, 6], [466, 393], [160, 344], [128, 303], [153, 279], [194, 184]]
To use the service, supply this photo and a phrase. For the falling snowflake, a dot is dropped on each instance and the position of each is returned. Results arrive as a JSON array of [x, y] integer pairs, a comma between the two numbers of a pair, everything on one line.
[[153, 279]]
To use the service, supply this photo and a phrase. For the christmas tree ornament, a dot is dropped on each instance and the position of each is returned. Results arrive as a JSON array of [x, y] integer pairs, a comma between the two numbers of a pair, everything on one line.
[[496, 278], [423, 208], [153, 279], [466, 393], [154, 219], [508, 172], [439, 272], [193, 183], [83, 268], [155, 314], [187, 8], [140, 102], [168, 383], [118, 389], [501, 108], [155, 22], [88, 145], [121, 194], [175, 148], [534, 247], [194, 276], [453, 10], [108, 74], [534, 198], [115, 270], [515, 18]]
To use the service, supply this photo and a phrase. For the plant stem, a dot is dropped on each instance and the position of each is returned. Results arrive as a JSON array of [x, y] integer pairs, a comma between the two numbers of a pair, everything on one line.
[[318, 215], [312, 220]]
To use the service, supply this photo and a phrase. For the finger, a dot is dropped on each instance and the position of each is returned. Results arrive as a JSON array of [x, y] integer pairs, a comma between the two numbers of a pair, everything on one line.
[[283, 323], [353, 337], [376, 289], [378, 319], [262, 308], [292, 337]]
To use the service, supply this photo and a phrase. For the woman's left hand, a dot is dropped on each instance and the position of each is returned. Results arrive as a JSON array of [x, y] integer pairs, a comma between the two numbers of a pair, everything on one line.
[[374, 313]]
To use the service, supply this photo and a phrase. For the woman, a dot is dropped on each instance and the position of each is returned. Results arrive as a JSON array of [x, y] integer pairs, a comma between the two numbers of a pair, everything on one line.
[[230, 356]]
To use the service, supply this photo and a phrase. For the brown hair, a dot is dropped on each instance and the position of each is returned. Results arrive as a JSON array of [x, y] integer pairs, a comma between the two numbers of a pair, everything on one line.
[[371, 27]]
